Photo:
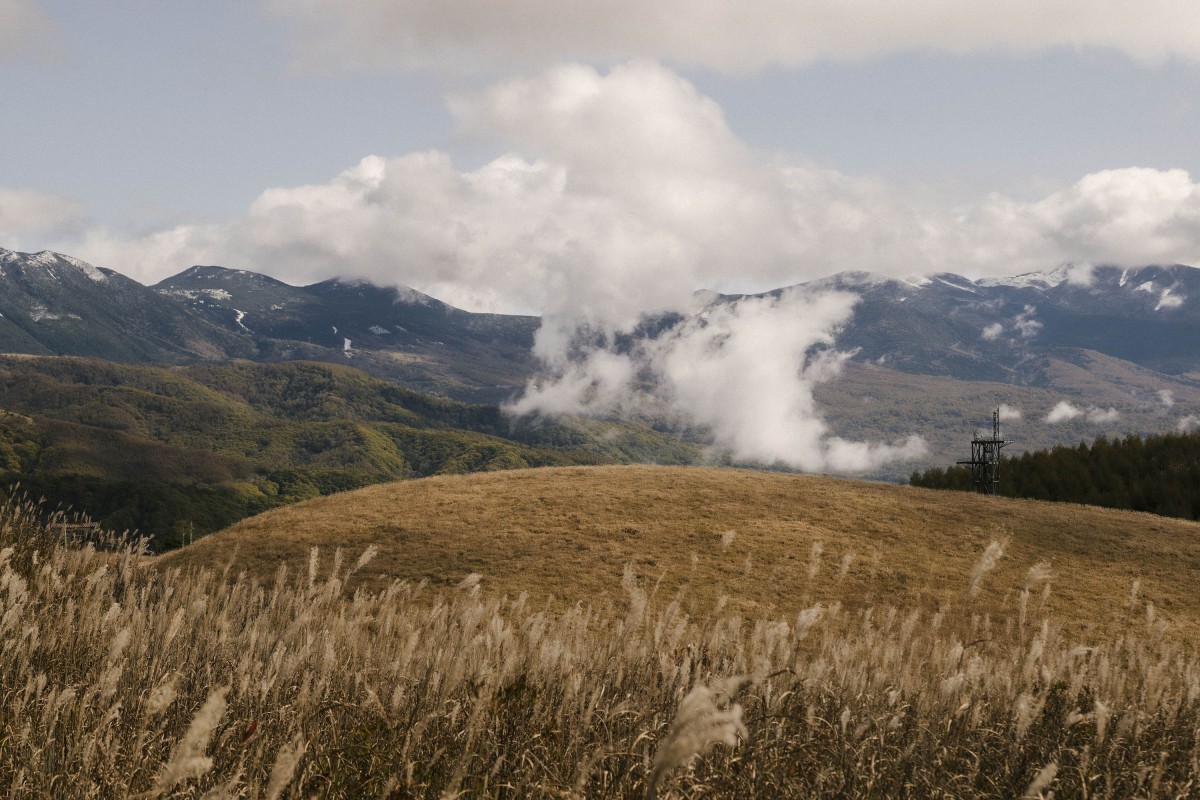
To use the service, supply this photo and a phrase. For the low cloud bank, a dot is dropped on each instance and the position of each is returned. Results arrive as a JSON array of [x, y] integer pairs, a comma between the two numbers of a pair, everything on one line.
[[1065, 412], [743, 370]]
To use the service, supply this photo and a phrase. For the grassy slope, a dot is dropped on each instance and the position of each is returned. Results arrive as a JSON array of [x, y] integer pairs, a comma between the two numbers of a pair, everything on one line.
[[568, 532], [124, 443]]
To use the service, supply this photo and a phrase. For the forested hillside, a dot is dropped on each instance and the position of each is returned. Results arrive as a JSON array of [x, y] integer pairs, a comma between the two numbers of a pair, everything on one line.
[[1158, 474], [180, 452]]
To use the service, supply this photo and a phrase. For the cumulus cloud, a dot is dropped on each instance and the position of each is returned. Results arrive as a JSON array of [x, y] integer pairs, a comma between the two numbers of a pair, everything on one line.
[[1065, 412], [1118, 216], [724, 35], [33, 215], [1103, 416], [1081, 274], [1062, 412], [631, 184], [1008, 412], [25, 30], [1025, 324], [743, 370]]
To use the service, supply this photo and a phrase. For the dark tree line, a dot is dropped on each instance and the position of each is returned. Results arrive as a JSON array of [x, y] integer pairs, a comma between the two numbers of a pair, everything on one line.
[[1159, 474]]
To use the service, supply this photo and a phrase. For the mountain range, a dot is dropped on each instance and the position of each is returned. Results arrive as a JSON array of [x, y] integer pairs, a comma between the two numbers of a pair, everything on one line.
[[52, 304], [931, 354]]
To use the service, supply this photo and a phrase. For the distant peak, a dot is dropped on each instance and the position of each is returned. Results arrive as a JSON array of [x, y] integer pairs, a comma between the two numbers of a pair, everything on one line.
[[215, 272], [1042, 280], [46, 259]]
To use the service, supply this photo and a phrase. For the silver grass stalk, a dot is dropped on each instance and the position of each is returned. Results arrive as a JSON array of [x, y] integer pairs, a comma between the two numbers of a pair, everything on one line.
[[637, 597], [284, 769], [699, 724], [1103, 715], [1038, 573], [1043, 779], [365, 558], [188, 760], [986, 563], [163, 695], [313, 555]]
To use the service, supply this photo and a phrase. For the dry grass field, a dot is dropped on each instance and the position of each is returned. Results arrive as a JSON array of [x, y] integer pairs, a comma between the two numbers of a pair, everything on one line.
[[768, 542], [877, 642]]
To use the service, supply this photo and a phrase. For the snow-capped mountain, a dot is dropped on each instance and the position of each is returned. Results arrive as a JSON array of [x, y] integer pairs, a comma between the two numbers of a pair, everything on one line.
[[1001, 328], [1013, 330], [51, 303], [329, 313]]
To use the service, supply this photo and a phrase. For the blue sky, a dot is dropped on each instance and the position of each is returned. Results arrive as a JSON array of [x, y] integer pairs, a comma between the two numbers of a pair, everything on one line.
[[510, 146]]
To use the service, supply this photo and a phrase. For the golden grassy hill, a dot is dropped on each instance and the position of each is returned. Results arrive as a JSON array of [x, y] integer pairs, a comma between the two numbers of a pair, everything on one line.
[[569, 532]]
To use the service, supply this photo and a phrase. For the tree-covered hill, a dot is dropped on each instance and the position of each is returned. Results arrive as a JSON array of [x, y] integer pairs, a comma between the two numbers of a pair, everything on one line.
[[179, 452], [1158, 474]]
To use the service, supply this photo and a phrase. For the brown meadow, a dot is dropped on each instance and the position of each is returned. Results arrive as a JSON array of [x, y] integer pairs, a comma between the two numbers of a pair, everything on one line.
[[745, 535], [250, 675]]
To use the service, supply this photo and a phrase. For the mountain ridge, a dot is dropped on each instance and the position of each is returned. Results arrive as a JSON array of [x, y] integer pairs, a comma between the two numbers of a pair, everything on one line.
[[1118, 343]]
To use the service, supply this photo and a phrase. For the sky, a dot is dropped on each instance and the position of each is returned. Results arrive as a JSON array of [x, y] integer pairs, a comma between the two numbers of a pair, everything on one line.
[[298, 137], [593, 162]]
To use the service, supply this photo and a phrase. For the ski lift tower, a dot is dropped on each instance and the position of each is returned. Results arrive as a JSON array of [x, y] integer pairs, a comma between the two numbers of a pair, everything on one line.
[[985, 459]]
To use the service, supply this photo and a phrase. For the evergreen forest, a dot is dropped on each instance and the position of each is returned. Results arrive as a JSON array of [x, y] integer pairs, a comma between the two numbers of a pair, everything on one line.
[[1159, 474]]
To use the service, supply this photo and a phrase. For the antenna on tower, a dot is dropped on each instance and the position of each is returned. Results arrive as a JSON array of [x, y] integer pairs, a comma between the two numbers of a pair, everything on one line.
[[985, 459]]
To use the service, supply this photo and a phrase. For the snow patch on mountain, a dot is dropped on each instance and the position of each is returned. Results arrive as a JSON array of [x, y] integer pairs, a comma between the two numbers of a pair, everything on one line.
[[92, 272], [1030, 280], [197, 294], [411, 296], [39, 313], [968, 288]]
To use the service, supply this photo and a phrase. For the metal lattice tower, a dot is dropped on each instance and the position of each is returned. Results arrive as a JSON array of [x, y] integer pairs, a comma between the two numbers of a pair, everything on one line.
[[985, 459]]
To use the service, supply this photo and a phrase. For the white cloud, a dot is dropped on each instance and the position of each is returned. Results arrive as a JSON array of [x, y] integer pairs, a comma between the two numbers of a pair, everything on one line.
[[1025, 324], [1130, 216], [745, 371], [1166, 397], [628, 190], [1188, 424], [1065, 412], [728, 36], [1081, 274], [32, 215], [992, 332], [1062, 412], [25, 30], [1168, 300], [1008, 412]]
